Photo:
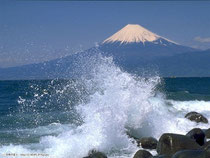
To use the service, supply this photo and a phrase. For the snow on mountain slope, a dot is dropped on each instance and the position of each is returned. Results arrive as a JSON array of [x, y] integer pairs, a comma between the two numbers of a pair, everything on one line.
[[134, 33]]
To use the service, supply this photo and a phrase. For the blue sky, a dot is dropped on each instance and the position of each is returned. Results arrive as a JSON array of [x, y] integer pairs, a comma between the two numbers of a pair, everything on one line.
[[34, 31]]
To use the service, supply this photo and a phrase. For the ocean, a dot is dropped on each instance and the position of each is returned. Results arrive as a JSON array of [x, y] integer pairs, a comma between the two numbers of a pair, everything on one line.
[[68, 118]]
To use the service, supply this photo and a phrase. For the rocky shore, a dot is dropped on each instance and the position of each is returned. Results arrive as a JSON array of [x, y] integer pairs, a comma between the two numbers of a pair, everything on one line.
[[170, 145]]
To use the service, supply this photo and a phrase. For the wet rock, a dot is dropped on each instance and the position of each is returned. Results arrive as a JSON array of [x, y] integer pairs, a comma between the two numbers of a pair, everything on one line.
[[132, 136], [207, 150], [170, 143], [190, 154], [196, 117], [206, 145], [207, 133], [143, 154], [202, 153], [198, 135], [95, 154], [162, 156], [148, 143]]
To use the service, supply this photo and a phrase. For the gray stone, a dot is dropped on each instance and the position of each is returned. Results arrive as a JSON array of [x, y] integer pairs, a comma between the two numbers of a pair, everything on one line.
[[143, 154], [206, 145], [170, 143], [196, 117], [207, 133], [95, 154], [148, 143], [162, 156], [198, 135], [190, 154]]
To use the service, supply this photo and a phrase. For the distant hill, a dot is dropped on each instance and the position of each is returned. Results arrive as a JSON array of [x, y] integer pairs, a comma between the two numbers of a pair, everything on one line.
[[191, 64], [133, 48]]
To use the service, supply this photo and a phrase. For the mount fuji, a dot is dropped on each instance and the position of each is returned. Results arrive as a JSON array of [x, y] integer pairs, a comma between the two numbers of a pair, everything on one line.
[[133, 48], [135, 33], [136, 40]]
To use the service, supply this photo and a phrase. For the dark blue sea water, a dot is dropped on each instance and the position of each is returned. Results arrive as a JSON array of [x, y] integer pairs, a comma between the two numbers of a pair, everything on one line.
[[185, 89], [65, 118]]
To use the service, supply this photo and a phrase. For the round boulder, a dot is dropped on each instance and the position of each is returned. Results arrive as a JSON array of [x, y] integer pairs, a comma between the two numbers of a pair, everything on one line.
[[162, 156], [143, 154], [206, 145], [198, 135], [190, 154], [207, 150], [170, 143], [207, 133], [95, 154], [148, 143], [196, 117]]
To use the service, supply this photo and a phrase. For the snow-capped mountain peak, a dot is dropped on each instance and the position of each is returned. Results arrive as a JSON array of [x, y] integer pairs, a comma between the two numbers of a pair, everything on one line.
[[134, 33]]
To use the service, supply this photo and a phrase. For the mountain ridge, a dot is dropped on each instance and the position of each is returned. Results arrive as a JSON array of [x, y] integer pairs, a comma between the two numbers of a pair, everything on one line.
[[131, 53]]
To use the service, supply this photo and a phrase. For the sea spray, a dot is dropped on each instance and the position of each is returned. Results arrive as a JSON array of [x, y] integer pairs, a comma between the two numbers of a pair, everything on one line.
[[118, 101], [112, 105]]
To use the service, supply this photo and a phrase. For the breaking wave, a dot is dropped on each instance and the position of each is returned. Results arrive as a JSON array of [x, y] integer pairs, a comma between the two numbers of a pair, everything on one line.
[[117, 105]]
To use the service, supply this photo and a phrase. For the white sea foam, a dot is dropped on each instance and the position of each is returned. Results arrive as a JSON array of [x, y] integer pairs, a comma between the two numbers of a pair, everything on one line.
[[119, 103]]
